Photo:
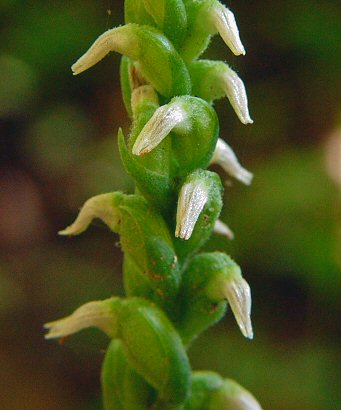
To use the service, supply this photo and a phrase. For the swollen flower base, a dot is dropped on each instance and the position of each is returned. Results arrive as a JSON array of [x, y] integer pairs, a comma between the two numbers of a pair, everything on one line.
[[173, 293]]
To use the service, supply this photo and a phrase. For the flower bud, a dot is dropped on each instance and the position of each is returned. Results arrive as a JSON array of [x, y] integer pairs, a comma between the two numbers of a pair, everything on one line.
[[164, 120], [226, 158], [199, 206], [211, 392], [193, 125], [213, 80], [206, 18], [192, 199], [237, 292], [209, 281], [232, 396], [163, 14]]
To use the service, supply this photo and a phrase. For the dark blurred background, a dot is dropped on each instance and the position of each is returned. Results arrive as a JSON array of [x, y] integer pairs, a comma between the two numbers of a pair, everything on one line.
[[58, 148]]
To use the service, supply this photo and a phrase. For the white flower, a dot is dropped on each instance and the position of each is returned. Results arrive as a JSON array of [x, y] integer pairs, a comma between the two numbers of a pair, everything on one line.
[[235, 91], [226, 158], [163, 121], [237, 292], [100, 206], [93, 314], [192, 199], [118, 39], [224, 22]]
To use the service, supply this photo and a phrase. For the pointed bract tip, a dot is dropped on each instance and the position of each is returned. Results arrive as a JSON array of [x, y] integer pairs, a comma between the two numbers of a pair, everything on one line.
[[192, 199], [225, 157], [225, 23], [238, 293], [163, 121]]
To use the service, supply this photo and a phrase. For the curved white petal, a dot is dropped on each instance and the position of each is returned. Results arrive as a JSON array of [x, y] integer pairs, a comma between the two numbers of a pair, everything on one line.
[[235, 91], [225, 157], [225, 23], [99, 206], [238, 294]]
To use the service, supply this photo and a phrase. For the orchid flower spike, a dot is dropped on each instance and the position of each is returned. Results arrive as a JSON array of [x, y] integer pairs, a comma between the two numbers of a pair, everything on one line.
[[172, 116], [225, 24], [226, 158], [192, 199]]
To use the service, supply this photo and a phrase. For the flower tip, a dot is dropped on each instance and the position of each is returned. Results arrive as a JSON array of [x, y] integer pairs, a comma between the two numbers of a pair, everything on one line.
[[225, 23], [245, 176], [238, 294], [192, 199], [69, 231], [222, 229]]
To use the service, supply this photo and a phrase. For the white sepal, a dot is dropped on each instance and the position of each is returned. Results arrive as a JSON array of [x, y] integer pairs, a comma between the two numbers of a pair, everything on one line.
[[222, 229], [116, 39], [163, 121], [225, 23], [235, 91], [237, 292], [93, 314], [225, 157], [99, 206], [192, 199]]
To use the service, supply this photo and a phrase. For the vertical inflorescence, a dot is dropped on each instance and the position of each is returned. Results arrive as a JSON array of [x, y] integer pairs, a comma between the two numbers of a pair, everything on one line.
[[173, 293]]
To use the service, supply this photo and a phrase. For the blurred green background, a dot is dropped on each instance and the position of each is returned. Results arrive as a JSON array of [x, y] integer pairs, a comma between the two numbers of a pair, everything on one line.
[[58, 148]]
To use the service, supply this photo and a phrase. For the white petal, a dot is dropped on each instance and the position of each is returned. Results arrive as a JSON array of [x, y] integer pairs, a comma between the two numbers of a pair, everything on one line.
[[226, 158], [225, 23], [116, 39], [93, 314], [238, 294], [99, 206], [158, 127], [192, 199], [222, 229], [235, 91]]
